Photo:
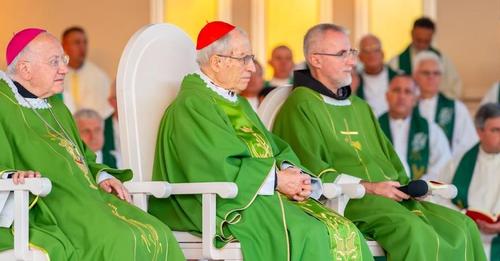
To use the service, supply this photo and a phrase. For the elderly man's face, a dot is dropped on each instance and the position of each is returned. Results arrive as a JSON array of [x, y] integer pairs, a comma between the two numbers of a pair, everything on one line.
[[401, 97], [47, 66], [335, 70], [235, 73], [370, 53], [421, 38], [282, 62], [428, 77], [75, 45], [490, 135], [91, 132]]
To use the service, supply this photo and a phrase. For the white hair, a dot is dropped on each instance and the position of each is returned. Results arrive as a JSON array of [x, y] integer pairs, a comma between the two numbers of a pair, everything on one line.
[[426, 56], [12, 67], [87, 114], [218, 47]]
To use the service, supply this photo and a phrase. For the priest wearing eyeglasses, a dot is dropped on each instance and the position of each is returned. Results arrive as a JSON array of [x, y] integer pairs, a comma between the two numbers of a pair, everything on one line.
[[210, 133], [86, 216], [338, 136]]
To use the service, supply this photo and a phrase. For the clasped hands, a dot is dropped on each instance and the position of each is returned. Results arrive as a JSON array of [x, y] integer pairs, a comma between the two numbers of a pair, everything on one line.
[[294, 184], [111, 185]]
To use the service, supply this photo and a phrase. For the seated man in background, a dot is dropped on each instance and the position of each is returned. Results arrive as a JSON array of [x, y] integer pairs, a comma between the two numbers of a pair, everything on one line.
[[91, 129], [86, 84], [209, 133], [450, 114], [254, 87], [477, 179], [80, 219], [375, 75], [421, 145], [282, 63], [421, 39], [112, 128], [336, 135]]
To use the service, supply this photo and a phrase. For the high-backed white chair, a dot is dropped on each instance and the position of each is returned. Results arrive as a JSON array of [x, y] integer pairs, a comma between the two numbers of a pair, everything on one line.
[[151, 68], [38, 187], [267, 112], [150, 72]]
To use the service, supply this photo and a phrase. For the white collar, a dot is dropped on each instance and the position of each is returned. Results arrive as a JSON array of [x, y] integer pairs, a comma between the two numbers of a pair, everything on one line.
[[335, 102], [35, 103], [400, 121], [224, 93]]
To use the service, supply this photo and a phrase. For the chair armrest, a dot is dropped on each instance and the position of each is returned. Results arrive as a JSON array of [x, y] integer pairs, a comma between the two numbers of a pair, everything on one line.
[[332, 190], [446, 191], [36, 186], [163, 189]]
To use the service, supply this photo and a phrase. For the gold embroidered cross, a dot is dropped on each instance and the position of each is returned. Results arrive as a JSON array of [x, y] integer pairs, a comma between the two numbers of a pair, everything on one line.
[[355, 144]]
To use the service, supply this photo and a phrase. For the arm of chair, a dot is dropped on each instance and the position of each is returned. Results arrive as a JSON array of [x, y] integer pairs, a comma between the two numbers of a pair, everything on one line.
[[338, 195], [446, 191], [209, 191], [36, 186]]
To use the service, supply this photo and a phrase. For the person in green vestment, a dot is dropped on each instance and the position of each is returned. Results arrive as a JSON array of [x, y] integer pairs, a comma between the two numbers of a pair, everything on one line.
[[476, 177], [450, 114], [86, 216], [337, 135], [211, 134], [91, 128], [421, 145], [422, 32], [375, 75]]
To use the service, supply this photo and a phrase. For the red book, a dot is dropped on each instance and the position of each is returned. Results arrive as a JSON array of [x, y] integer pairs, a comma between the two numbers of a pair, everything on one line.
[[480, 215]]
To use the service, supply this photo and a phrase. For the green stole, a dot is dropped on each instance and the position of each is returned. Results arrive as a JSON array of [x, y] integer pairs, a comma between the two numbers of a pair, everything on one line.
[[109, 143], [445, 116], [361, 89], [260, 147], [418, 142], [462, 180], [404, 59]]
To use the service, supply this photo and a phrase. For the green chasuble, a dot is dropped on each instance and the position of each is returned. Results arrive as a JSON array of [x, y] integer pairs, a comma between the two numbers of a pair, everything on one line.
[[109, 143], [405, 62], [208, 135], [418, 142], [462, 179], [333, 136], [77, 220]]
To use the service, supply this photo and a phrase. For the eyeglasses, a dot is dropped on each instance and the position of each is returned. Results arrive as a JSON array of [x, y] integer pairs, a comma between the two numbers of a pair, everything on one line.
[[430, 73], [344, 54], [56, 61], [245, 59]]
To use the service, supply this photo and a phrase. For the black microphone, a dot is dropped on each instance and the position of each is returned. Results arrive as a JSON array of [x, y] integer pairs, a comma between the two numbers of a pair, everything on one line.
[[416, 188]]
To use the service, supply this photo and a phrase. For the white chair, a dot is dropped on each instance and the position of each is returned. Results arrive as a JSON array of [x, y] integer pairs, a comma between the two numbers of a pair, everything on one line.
[[38, 187], [267, 112], [151, 68]]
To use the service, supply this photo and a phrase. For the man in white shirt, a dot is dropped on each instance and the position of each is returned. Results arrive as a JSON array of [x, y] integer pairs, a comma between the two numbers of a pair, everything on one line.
[[421, 39], [477, 179], [375, 75], [86, 86], [421, 145], [451, 115], [282, 63], [91, 128]]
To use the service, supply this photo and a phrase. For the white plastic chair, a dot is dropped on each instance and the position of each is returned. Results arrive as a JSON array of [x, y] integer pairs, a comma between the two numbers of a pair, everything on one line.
[[267, 112], [152, 66], [38, 187]]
